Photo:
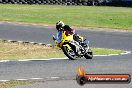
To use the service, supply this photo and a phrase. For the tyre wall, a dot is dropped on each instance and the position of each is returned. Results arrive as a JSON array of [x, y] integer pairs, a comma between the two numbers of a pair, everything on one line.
[[71, 2], [54, 2]]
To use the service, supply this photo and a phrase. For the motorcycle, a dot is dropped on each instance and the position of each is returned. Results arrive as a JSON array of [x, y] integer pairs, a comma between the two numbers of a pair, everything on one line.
[[71, 48]]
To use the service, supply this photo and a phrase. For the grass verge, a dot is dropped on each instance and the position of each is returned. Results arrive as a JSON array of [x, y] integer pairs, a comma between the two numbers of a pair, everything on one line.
[[105, 51], [14, 51], [14, 83], [81, 16]]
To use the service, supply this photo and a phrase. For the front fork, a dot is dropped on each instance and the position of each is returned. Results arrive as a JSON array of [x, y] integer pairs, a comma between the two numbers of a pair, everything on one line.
[[79, 50]]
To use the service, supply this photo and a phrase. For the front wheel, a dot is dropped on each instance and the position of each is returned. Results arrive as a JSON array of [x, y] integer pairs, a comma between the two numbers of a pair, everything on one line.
[[69, 53], [89, 54]]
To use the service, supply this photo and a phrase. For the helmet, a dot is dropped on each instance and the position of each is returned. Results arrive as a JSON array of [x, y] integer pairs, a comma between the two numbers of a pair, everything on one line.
[[59, 25]]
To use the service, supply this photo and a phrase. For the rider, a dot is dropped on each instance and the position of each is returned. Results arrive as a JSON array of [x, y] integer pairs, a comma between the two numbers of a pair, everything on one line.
[[60, 26]]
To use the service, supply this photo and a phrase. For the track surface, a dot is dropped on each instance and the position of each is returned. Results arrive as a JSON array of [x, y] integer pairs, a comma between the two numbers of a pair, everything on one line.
[[66, 69]]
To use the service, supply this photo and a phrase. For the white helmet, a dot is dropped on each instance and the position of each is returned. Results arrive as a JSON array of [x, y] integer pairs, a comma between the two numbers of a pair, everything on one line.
[[60, 25]]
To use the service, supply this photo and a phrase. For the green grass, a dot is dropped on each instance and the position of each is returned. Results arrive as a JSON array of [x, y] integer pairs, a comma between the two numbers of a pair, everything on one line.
[[105, 51], [14, 51], [81, 16], [14, 83]]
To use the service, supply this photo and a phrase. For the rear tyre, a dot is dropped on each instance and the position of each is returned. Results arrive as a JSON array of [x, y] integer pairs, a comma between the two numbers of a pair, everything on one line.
[[89, 54], [69, 53]]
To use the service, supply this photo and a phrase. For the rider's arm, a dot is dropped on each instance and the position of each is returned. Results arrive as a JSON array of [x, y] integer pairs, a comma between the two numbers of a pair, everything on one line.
[[59, 36]]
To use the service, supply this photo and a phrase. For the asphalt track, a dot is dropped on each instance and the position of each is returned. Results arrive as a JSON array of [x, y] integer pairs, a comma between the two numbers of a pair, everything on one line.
[[61, 73]]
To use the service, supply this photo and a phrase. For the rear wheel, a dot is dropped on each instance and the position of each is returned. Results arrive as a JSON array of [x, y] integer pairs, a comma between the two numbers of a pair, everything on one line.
[[89, 54], [69, 53]]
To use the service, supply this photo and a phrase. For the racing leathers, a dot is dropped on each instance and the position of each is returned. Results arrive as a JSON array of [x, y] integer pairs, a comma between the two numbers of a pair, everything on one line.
[[68, 31]]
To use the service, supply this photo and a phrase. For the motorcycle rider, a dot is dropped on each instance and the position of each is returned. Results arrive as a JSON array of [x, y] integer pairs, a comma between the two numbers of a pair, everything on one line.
[[60, 26]]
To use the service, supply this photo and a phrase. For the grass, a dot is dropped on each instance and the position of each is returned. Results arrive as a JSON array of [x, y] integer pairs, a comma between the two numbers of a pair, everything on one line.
[[105, 51], [80, 16], [13, 83], [14, 51]]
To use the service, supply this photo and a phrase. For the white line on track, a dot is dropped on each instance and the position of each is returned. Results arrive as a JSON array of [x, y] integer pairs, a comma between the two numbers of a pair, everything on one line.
[[36, 78], [49, 78], [4, 60], [54, 77], [21, 79], [126, 52], [4, 80]]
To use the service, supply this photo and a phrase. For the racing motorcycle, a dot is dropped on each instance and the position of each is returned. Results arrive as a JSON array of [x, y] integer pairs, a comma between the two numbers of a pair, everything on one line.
[[73, 49]]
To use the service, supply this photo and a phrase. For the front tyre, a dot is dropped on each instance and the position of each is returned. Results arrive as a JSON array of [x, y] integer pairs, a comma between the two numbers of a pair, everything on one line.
[[69, 53], [89, 54]]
